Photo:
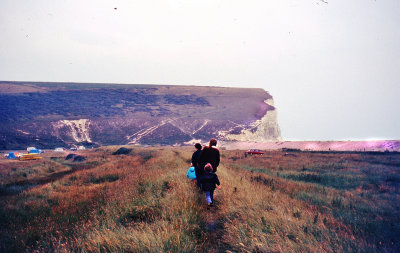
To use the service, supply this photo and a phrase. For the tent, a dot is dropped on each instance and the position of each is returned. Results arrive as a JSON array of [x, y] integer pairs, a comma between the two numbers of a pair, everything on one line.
[[33, 156], [11, 155], [34, 151]]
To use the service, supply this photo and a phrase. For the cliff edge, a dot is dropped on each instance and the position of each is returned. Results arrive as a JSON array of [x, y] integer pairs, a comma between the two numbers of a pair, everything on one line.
[[47, 115]]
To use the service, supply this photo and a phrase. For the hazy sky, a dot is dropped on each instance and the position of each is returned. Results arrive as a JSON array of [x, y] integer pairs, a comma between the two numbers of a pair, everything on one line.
[[333, 67]]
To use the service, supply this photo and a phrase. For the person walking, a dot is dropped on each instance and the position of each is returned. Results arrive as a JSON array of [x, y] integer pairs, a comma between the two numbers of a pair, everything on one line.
[[210, 154], [195, 163], [209, 181]]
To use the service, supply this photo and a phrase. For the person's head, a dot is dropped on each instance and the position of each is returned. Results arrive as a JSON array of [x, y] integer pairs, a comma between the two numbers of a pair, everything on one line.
[[197, 146], [213, 142], [208, 167]]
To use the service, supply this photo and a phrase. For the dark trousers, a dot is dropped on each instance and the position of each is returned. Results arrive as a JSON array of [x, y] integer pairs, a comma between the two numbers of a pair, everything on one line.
[[198, 172]]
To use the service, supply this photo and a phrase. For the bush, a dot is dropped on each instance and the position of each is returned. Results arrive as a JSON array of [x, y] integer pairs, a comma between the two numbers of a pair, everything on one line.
[[122, 151], [70, 156], [79, 158]]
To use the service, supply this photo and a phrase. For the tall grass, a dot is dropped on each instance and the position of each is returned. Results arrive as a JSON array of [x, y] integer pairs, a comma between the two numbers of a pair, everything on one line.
[[142, 202], [138, 203], [350, 195]]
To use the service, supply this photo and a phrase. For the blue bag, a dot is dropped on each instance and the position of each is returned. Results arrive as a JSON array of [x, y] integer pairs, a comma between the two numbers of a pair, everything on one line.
[[191, 173]]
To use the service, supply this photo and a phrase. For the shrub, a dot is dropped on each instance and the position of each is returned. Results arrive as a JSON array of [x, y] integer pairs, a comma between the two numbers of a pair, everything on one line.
[[69, 156], [79, 158], [122, 151]]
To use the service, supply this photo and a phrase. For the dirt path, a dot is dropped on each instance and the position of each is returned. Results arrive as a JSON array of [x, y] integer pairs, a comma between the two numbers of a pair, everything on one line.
[[20, 186], [214, 221], [214, 229]]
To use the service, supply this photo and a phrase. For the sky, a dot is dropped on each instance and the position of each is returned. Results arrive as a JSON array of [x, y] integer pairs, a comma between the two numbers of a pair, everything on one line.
[[333, 67]]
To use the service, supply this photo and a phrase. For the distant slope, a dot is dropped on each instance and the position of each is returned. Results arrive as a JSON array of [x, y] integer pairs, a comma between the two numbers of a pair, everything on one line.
[[64, 114], [372, 145]]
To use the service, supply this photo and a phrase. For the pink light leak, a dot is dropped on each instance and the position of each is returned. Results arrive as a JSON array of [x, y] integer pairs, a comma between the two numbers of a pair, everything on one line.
[[393, 145]]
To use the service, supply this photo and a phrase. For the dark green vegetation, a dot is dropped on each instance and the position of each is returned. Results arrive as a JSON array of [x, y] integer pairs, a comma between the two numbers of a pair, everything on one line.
[[77, 104], [142, 202], [122, 151]]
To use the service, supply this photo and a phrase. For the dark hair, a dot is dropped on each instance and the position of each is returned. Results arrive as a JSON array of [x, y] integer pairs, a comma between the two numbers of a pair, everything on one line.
[[197, 145], [213, 142], [208, 167]]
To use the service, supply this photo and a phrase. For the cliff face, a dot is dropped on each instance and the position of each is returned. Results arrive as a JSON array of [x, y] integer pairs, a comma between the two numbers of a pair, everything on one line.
[[77, 130], [265, 129], [47, 115]]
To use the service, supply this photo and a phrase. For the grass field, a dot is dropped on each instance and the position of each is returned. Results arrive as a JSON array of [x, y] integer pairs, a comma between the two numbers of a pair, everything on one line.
[[142, 202]]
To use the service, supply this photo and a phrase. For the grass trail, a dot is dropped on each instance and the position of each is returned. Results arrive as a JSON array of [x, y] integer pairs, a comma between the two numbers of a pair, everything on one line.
[[214, 222], [143, 202], [253, 217], [223, 223]]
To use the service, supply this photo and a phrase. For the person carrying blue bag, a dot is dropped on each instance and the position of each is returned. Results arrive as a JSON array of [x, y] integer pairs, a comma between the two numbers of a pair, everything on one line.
[[195, 163]]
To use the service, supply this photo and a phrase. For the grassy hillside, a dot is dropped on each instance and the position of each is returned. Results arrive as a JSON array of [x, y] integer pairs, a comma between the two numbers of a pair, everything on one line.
[[53, 101], [142, 202], [50, 115]]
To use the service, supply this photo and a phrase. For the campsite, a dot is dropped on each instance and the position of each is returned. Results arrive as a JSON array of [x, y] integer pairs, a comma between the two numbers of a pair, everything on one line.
[[31, 154], [141, 201]]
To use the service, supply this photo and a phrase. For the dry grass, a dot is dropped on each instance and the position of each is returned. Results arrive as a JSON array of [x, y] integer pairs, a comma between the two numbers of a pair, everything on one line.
[[142, 202]]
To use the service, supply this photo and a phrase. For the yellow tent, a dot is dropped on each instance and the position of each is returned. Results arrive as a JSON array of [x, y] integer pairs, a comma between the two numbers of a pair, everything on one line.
[[33, 156]]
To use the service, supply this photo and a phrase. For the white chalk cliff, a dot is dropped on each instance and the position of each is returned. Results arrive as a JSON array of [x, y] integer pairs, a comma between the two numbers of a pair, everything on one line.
[[78, 130], [267, 128]]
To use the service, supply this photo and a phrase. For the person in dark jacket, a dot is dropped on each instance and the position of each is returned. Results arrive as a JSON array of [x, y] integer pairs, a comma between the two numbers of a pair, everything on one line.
[[209, 181], [195, 163], [210, 154]]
